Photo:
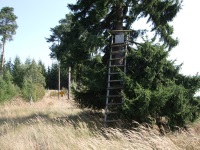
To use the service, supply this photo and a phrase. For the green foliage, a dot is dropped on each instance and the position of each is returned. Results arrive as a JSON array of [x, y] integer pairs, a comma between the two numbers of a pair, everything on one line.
[[52, 77], [26, 80], [180, 107], [91, 89], [9, 66], [7, 88], [33, 82], [153, 87], [97, 16], [42, 68], [8, 28], [18, 72], [32, 90], [8, 24]]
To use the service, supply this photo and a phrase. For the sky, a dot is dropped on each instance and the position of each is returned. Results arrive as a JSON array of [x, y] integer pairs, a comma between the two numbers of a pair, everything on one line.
[[36, 17]]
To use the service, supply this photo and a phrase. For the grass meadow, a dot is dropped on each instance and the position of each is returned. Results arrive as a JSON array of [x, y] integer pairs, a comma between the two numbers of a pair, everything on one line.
[[52, 124]]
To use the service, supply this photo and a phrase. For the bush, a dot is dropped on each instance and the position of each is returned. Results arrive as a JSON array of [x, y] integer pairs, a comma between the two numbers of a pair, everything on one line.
[[7, 89], [34, 90], [33, 82], [154, 88], [90, 90]]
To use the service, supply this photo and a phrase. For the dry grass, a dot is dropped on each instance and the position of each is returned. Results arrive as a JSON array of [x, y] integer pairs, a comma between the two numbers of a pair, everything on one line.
[[58, 124]]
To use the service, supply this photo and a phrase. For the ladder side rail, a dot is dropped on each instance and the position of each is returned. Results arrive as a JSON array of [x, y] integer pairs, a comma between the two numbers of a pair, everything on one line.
[[108, 85], [124, 49]]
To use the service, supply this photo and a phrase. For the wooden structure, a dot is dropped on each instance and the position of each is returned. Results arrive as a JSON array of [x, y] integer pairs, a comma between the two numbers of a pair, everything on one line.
[[116, 68]]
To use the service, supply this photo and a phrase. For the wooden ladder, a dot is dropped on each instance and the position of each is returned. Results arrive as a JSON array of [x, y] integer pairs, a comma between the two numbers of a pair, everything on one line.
[[116, 67]]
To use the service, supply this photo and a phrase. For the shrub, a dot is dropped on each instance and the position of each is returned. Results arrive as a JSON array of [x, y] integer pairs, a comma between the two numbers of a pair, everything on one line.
[[7, 89]]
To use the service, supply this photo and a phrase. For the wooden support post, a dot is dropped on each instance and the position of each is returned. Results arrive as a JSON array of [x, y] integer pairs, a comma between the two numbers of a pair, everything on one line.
[[69, 81], [58, 80]]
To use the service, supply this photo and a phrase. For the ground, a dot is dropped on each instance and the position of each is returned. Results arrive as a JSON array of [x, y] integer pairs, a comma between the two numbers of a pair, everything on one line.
[[52, 124]]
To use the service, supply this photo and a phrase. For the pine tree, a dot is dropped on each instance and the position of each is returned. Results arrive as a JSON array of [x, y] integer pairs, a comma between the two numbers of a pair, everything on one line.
[[8, 27]]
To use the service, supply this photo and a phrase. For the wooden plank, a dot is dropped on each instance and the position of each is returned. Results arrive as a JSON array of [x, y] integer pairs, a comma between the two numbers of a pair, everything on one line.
[[113, 104], [117, 87], [115, 81], [112, 121], [113, 112], [119, 45], [113, 73], [114, 96], [116, 52], [117, 66], [116, 58], [117, 31]]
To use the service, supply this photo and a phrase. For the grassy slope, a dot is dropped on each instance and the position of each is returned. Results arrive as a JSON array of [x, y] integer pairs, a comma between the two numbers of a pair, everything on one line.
[[58, 124]]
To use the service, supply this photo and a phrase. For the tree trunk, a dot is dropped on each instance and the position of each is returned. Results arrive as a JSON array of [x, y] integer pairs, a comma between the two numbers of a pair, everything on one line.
[[2, 57], [58, 80], [69, 81], [118, 26]]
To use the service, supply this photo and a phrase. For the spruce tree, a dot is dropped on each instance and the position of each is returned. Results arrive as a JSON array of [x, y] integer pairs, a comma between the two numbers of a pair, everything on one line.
[[7, 89], [153, 85], [155, 88], [18, 72], [33, 82]]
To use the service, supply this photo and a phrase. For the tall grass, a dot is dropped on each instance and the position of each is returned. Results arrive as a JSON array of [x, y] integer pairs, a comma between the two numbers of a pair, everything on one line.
[[58, 124]]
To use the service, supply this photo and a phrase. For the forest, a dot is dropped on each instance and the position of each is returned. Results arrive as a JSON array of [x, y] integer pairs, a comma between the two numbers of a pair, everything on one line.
[[153, 85]]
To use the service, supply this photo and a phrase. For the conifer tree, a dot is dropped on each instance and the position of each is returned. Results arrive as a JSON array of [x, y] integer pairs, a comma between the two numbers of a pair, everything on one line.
[[153, 85], [98, 16], [7, 89], [8, 28], [33, 82], [42, 68], [18, 72]]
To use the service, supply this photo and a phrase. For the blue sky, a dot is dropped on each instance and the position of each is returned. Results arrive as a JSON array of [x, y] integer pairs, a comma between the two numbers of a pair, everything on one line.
[[35, 18]]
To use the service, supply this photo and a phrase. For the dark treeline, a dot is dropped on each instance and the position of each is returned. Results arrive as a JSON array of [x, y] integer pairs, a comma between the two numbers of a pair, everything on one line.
[[51, 75], [29, 79]]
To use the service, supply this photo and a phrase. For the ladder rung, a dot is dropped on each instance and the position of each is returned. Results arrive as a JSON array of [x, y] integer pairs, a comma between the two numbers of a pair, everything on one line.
[[114, 112], [117, 87], [112, 120], [115, 81], [118, 45], [120, 51], [112, 73], [111, 104], [114, 96], [117, 31], [116, 58], [117, 65]]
